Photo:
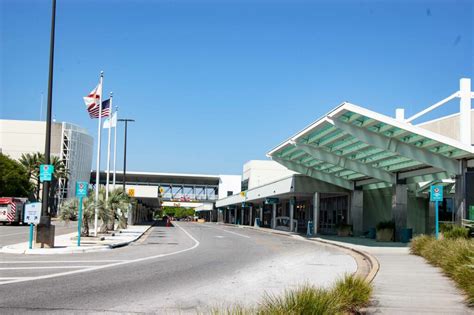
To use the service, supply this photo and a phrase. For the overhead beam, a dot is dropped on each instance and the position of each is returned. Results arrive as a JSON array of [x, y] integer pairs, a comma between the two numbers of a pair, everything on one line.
[[315, 174], [399, 147], [347, 163]]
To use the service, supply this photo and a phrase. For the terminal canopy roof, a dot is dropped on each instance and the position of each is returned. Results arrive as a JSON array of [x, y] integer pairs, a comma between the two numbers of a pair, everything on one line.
[[352, 146]]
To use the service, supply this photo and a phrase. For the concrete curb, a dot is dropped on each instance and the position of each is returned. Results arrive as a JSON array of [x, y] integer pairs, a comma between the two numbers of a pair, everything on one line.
[[362, 258], [73, 250]]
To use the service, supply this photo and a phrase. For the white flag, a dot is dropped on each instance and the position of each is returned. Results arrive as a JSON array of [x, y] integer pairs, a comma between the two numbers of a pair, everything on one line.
[[110, 122]]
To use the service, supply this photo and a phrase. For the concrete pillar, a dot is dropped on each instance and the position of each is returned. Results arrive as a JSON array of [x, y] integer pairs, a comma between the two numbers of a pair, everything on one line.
[[261, 215], [399, 208], [465, 120], [274, 211], [292, 211], [460, 195], [357, 212], [250, 216], [430, 222], [242, 216], [315, 212]]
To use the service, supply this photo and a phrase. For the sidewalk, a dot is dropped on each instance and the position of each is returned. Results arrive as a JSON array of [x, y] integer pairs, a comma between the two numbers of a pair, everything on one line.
[[405, 283], [67, 243]]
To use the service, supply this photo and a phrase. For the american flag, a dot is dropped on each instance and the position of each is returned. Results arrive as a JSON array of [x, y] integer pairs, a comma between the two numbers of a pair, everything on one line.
[[94, 111], [12, 213]]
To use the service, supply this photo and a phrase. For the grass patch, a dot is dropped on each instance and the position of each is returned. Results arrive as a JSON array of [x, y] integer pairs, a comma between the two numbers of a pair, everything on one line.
[[348, 295], [454, 255]]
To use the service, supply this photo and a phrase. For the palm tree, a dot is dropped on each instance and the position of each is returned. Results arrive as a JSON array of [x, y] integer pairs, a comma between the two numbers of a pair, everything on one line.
[[117, 205], [31, 163]]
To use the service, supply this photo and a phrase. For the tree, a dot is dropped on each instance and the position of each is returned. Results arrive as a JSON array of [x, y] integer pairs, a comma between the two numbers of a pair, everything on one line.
[[14, 181], [31, 163], [117, 205]]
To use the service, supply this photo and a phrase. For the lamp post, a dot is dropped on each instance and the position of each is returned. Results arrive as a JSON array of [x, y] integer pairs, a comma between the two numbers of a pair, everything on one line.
[[47, 145], [126, 121]]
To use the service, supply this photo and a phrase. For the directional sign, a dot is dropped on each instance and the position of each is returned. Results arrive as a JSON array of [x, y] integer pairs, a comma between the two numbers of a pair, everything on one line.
[[131, 192], [271, 201], [46, 172], [81, 189], [436, 193], [32, 213]]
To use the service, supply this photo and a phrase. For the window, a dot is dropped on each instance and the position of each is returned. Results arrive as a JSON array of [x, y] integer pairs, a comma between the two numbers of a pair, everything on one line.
[[230, 193]]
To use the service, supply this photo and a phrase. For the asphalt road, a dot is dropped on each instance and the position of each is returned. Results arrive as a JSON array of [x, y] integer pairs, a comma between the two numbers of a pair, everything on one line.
[[13, 234], [184, 269]]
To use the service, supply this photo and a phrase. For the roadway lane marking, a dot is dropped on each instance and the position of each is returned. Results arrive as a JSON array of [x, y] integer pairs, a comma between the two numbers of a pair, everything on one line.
[[57, 261], [25, 233], [126, 262], [44, 267], [223, 230]]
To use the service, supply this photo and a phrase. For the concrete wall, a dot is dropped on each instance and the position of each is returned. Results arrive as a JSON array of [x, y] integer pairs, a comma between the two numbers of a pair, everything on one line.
[[229, 183], [23, 136], [447, 126], [260, 172]]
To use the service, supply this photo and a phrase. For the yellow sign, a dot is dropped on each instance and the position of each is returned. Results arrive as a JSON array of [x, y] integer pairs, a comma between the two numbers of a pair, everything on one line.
[[162, 190], [131, 192], [243, 193]]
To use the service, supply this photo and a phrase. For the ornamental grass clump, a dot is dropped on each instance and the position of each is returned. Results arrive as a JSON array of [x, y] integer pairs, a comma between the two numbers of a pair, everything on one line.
[[455, 256], [348, 295]]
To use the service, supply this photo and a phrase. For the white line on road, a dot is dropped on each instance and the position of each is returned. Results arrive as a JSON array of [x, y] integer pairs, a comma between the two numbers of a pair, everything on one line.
[[44, 267], [196, 244], [24, 233], [57, 261], [223, 230]]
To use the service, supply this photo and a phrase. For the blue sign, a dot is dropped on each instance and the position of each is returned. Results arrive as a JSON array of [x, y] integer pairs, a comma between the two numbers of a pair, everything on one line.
[[436, 193], [46, 172], [81, 189]]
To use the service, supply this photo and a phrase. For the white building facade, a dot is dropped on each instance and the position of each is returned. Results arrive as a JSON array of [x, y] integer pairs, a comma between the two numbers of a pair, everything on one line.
[[71, 143]]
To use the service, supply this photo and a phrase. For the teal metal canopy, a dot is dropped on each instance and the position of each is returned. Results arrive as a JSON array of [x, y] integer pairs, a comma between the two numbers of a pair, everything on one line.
[[353, 146]]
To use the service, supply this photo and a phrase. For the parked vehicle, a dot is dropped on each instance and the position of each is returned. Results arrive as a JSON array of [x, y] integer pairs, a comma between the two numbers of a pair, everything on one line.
[[12, 210]]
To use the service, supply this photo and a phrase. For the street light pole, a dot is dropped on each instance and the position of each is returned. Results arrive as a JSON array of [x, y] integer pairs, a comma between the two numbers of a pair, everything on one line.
[[125, 120], [47, 146]]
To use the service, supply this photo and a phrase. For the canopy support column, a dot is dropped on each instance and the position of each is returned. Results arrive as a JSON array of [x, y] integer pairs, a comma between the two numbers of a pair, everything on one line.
[[274, 210], [315, 213], [292, 212], [399, 208], [460, 195], [357, 212]]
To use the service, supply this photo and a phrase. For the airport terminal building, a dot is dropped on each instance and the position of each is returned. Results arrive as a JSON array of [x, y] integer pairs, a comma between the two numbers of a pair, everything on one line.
[[358, 167]]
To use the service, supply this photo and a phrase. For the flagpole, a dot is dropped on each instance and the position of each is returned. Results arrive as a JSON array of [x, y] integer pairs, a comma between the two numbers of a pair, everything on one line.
[[108, 150], [115, 143], [97, 171]]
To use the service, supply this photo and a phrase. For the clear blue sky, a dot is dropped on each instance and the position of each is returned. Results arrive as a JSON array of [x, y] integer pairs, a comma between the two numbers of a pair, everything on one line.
[[214, 84]]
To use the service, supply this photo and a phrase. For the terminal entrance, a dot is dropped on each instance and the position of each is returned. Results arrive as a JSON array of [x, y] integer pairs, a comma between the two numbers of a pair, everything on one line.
[[332, 212]]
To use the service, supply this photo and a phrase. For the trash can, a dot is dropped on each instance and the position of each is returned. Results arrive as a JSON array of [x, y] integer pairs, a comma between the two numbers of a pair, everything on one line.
[[406, 235], [372, 233]]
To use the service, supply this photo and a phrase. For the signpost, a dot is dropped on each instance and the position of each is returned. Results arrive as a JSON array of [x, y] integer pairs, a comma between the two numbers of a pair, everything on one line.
[[32, 217], [309, 231], [46, 172], [81, 192], [436, 195]]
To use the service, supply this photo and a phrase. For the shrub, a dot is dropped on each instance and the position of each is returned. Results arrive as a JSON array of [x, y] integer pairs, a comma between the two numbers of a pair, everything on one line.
[[354, 293], [386, 225], [304, 300], [348, 295], [457, 232], [454, 256]]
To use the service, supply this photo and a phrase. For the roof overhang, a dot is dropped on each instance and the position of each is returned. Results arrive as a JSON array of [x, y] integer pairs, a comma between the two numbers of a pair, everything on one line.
[[352, 145]]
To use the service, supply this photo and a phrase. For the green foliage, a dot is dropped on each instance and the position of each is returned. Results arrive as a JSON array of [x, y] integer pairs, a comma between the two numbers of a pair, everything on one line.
[[348, 295], [14, 180], [178, 212], [304, 300], [457, 232], [385, 225], [454, 256], [354, 293]]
